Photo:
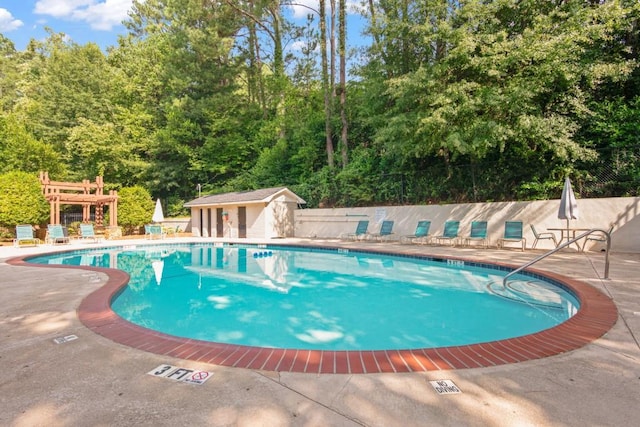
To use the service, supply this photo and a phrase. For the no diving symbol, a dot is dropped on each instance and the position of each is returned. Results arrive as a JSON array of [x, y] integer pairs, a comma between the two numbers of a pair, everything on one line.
[[197, 377]]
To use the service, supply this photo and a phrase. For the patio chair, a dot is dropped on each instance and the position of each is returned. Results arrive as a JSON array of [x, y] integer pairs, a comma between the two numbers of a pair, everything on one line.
[[55, 234], [478, 233], [450, 233], [170, 231], [421, 235], [596, 237], [25, 236], [360, 233], [87, 232], [386, 230], [153, 231], [512, 234], [547, 235]]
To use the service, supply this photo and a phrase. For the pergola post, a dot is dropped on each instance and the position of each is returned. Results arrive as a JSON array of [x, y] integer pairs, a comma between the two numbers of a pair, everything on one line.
[[113, 208]]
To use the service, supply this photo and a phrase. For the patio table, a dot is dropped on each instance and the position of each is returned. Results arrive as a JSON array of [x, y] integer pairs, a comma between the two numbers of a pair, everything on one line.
[[570, 234]]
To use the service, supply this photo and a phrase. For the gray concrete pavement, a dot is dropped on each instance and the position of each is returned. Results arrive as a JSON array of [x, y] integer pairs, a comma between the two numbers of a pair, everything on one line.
[[92, 381]]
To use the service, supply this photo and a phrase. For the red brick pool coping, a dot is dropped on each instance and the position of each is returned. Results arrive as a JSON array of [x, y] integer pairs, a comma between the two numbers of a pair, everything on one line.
[[596, 316]]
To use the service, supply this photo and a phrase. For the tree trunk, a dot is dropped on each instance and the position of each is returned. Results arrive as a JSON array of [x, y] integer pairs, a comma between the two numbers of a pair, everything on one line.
[[326, 88], [342, 42]]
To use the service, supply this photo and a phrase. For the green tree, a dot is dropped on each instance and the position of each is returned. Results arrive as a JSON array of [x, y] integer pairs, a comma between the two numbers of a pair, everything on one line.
[[502, 82], [21, 151], [135, 208], [200, 112], [21, 200], [72, 83], [9, 74]]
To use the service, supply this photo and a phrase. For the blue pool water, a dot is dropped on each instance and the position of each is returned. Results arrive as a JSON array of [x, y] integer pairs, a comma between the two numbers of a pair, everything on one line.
[[287, 297]]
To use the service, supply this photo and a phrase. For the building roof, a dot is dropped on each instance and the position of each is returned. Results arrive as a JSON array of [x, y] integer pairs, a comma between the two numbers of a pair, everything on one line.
[[264, 195]]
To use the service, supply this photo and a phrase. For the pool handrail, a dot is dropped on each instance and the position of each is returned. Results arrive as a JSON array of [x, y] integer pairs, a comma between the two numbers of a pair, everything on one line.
[[564, 245]]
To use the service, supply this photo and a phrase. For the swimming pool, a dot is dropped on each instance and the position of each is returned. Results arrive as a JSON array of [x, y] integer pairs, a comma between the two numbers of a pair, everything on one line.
[[323, 299], [289, 278]]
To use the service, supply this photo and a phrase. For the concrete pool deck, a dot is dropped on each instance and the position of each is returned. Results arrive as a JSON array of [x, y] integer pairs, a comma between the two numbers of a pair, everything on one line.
[[92, 381]]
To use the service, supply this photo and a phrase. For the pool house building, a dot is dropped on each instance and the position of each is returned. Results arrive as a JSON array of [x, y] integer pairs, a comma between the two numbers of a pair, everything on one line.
[[265, 213]]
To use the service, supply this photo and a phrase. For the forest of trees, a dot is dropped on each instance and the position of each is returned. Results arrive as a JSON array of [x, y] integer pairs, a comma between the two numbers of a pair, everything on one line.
[[451, 101]]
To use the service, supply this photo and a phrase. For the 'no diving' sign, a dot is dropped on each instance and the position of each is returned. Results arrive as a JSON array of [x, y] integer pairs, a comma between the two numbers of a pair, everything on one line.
[[445, 387], [181, 374]]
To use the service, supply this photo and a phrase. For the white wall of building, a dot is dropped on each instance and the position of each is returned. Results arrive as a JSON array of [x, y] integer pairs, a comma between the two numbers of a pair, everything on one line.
[[256, 218]]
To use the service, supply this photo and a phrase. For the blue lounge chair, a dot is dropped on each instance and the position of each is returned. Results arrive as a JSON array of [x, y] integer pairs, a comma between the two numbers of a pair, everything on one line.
[[87, 232], [386, 230], [361, 231], [153, 231], [512, 234], [450, 233], [421, 235], [478, 233], [24, 236], [56, 234]]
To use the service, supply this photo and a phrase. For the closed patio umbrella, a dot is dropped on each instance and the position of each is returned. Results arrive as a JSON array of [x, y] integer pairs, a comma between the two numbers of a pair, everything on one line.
[[568, 205], [158, 216]]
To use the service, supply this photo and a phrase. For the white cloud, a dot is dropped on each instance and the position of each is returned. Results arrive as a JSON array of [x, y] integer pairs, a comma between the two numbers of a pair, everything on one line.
[[298, 45], [59, 8], [304, 7], [100, 15], [8, 22]]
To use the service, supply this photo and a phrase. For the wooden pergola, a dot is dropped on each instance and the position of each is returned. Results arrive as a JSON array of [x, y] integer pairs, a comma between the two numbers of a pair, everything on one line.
[[84, 193]]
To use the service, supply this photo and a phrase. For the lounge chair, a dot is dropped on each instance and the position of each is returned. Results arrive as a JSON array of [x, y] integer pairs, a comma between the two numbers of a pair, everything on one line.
[[153, 231], [478, 234], [55, 234], [360, 233], [170, 231], [87, 232], [596, 237], [421, 235], [386, 230], [24, 236], [512, 234], [546, 235], [450, 233]]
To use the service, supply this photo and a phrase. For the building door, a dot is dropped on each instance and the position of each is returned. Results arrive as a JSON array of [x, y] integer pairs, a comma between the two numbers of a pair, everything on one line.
[[242, 222], [219, 223]]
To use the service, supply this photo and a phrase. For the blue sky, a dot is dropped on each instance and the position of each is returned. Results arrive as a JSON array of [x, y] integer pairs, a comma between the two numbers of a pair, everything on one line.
[[83, 21], [97, 21]]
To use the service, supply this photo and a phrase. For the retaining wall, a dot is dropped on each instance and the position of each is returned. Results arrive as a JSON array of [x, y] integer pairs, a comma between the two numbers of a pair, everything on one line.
[[621, 212]]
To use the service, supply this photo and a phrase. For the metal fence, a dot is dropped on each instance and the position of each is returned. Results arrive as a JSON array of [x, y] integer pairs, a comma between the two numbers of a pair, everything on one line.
[[487, 181], [71, 217]]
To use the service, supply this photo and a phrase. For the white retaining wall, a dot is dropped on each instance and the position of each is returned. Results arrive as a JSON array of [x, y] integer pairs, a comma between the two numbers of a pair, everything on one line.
[[621, 212]]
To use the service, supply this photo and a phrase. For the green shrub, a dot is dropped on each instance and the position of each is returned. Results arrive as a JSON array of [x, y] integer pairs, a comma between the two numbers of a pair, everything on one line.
[[21, 200], [135, 208], [175, 207]]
